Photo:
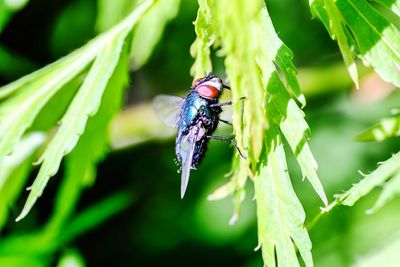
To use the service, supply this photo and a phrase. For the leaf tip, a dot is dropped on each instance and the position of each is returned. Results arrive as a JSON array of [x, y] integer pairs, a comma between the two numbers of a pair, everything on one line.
[[302, 100], [234, 218], [28, 206], [24, 212], [352, 69]]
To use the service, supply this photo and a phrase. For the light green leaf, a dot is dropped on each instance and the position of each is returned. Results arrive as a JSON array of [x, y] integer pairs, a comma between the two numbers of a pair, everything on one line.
[[148, 32], [283, 59], [84, 105], [376, 40], [80, 167], [51, 113], [333, 20], [200, 48], [279, 212], [18, 112], [376, 178], [30, 93], [390, 190], [144, 40], [106, 19], [285, 112], [386, 128], [242, 67]]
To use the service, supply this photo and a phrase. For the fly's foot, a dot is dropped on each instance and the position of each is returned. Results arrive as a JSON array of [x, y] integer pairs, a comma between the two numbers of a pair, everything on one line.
[[228, 139]]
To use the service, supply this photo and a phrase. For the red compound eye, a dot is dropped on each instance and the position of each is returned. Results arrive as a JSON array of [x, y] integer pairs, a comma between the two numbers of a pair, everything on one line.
[[208, 91], [196, 82]]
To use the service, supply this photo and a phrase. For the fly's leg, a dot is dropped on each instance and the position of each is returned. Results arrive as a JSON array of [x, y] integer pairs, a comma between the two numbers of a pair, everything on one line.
[[221, 104], [228, 139], [224, 121], [225, 103]]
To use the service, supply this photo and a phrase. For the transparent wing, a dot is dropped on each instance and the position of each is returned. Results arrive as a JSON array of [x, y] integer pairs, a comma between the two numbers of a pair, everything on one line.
[[167, 108], [187, 151]]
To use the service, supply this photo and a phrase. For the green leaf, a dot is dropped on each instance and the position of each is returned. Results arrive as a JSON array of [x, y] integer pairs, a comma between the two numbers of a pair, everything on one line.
[[29, 94], [200, 48], [52, 112], [19, 111], [85, 104], [394, 5], [284, 111], [376, 40], [279, 212], [386, 128], [106, 19], [283, 59], [376, 178], [25, 97], [81, 163], [145, 40], [390, 189], [333, 20]]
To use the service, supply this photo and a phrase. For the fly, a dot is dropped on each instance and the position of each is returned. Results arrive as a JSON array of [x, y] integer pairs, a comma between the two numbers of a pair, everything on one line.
[[196, 116]]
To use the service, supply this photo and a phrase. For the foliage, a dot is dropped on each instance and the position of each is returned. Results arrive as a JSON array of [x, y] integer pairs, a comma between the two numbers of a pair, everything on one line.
[[362, 31], [84, 90], [386, 128], [26, 96]]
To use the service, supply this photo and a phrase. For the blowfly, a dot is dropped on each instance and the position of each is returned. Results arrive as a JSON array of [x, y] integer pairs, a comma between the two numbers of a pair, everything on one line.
[[196, 116]]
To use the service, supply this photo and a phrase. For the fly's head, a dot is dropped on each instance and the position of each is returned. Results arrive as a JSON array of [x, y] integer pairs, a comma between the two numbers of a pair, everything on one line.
[[209, 87]]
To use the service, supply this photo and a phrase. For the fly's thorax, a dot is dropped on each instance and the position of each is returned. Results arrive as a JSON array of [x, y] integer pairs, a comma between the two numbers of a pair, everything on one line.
[[192, 107]]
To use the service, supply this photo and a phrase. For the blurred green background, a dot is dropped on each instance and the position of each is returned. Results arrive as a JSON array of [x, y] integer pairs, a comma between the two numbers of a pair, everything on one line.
[[153, 226]]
